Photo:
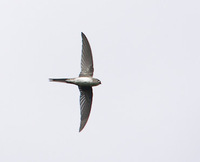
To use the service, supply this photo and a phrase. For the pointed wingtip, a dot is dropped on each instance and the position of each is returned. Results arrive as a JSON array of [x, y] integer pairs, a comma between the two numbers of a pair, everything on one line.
[[80, 129], [83, 123], [82, 34]]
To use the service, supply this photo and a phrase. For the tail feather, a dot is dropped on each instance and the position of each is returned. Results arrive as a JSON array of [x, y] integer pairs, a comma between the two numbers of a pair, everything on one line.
[[57, 80]]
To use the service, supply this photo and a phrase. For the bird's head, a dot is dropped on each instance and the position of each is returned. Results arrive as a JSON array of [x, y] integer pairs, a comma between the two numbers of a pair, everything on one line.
[[98, 81]]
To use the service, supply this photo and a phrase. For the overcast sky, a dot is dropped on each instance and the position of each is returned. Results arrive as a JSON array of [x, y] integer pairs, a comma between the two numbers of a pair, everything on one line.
[[147, 56]]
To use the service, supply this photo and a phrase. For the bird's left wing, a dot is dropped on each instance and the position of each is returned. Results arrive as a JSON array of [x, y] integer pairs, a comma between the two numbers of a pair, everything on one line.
[[85, 104], [86, 58]]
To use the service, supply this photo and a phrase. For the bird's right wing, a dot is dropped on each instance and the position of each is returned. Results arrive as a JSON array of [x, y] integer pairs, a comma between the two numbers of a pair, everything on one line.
[[86, 58], [85, 104]]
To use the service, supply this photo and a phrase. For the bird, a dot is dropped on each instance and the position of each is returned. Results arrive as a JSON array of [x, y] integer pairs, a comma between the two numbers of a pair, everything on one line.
[[84, 81]]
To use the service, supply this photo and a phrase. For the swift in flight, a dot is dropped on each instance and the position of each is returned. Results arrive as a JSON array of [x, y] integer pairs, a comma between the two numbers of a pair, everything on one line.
[[85, 81]]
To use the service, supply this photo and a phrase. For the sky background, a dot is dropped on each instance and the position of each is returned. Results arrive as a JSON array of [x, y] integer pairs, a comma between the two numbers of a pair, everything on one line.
[[147, 55]]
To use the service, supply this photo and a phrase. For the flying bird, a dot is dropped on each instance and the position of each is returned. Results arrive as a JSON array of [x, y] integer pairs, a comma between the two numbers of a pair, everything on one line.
[[85, 81]]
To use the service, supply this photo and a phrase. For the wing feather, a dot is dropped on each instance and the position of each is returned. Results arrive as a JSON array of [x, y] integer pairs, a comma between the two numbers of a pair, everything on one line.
[[85, 105], [86, 58]]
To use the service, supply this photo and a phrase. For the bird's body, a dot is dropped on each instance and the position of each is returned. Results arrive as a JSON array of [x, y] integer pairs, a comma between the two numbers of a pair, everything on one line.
[[85, 81], [80, 81]]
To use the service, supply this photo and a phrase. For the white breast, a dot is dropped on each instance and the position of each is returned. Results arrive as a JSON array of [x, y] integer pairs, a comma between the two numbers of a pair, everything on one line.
[[83, 81]]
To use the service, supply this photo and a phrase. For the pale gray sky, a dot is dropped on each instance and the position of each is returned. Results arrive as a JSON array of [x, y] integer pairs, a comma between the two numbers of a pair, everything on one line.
[[147, 55]]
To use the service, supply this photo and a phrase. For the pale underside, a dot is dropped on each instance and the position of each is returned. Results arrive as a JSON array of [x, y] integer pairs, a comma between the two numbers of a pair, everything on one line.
[[85, 91], [85, 81]]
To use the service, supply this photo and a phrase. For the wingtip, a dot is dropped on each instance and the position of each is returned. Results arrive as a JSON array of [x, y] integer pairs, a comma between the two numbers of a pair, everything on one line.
[[82, 34], [80, 129], [83, 123]]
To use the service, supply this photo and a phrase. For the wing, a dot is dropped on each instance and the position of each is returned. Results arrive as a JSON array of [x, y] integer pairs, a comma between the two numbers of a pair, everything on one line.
[[86, 58], [85, 104]]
